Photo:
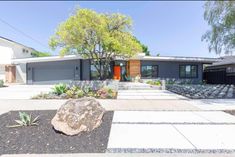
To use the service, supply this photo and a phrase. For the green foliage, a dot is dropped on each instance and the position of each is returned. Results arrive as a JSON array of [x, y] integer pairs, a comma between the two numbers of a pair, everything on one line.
[[25, 120], [40, 54], [156, 83], [100, 37], [74, 92], [1, 83], [144, 47], [60, 89], [220, 15], [106, 93]]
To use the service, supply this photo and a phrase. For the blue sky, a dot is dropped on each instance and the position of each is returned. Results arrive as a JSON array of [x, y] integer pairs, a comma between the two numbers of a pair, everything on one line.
[[171, 28]]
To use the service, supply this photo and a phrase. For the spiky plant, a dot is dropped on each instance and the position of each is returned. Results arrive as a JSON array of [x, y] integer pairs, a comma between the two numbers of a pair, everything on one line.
[[25, 120]]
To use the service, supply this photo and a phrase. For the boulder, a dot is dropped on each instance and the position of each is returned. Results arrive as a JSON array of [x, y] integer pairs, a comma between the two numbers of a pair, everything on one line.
[[77, 116]]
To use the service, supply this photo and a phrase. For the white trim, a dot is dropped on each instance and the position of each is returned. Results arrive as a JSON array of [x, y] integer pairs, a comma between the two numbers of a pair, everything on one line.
[[176, 58], [153, 58], [45, 59]]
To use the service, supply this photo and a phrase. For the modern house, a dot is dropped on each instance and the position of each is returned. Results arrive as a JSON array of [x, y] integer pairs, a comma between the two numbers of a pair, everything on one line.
[[221, 72], [18, 65], [54, 69], [10, 50]]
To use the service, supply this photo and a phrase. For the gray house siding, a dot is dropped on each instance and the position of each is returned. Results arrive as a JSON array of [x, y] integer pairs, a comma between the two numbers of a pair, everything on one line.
[[46, 72], [85, 69], [170, 69]]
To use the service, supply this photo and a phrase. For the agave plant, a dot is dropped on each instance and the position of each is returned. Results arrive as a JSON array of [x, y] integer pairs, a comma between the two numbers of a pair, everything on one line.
[[25, 120], [60, 88]]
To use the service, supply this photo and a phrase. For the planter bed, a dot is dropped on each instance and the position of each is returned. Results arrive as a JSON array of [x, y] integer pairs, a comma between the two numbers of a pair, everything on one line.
[[43, 139], [203, 91]]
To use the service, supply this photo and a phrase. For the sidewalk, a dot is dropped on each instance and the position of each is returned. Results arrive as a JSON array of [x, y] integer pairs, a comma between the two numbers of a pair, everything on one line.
[[110, 105], [125, 105]]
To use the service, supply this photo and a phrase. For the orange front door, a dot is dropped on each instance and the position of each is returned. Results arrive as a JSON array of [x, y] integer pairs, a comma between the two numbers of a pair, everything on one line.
[[116, 72]]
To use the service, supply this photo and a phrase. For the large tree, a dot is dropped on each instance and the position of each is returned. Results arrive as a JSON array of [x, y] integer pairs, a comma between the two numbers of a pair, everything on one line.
[[96, 36], [144, 48], [220, 15]]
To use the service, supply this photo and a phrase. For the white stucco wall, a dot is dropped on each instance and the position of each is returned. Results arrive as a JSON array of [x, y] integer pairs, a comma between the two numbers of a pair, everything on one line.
[[10, 50], [21, 73]]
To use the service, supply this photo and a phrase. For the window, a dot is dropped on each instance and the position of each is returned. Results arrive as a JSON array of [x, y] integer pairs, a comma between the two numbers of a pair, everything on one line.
[[149, 71], [94, 72], [188, 71]]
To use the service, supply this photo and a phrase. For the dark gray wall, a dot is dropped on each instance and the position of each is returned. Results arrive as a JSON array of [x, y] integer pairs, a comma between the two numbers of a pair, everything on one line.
[[85, 64], [53, 71], [169, 69]]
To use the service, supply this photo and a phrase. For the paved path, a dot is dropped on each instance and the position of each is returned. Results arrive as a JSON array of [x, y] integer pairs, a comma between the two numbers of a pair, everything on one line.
[[198, 131], [214, 104], [148, 95], [123, 105], [179, 105], [22, 91]]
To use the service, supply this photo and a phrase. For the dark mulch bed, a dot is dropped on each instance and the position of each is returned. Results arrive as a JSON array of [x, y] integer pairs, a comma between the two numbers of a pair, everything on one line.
[[44, 139], [232, 112]]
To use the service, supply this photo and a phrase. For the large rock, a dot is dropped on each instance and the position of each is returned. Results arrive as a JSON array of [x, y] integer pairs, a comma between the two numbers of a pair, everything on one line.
[[76, 116]]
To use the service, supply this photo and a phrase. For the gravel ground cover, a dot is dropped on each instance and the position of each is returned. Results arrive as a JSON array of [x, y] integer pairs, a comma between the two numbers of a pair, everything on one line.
[[204, 91], [43, 139]]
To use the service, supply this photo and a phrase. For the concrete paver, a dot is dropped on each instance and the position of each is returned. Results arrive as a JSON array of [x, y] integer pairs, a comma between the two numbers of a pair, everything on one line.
[[216, 116], [214, 104], [209, 136], [158, 117], [148, 94], [146, 136]]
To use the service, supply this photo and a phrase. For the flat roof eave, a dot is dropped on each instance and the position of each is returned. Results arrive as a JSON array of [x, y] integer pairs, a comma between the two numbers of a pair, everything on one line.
[[45, 59]]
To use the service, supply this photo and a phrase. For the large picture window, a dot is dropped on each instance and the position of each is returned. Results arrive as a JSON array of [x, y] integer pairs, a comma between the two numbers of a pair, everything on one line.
[[188, 71], [95, 75], [149, 71]]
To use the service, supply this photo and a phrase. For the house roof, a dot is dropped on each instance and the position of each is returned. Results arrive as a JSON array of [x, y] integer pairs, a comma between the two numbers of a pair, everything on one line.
[[9, 40], [45, 59], [177, 58], [139, 57], [226, 60]]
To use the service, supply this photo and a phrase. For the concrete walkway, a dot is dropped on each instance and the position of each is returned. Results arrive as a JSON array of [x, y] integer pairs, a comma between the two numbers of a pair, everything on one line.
[[111, 105], [22, 91], [124, 105], [198, 131], [148, 95]]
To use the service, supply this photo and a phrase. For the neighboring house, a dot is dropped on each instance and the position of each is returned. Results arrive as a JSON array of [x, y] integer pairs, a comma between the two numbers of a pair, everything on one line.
[[56, 69], [221, 72], [10, 50]]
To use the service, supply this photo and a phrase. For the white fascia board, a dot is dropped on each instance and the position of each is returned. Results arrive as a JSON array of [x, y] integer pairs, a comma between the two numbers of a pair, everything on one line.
[[45, 59]]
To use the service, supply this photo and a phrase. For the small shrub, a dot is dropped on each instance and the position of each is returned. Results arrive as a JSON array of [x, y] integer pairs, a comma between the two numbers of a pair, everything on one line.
[[105, 93], [25, 120], [156, 83], [60, 89], [75, 92]]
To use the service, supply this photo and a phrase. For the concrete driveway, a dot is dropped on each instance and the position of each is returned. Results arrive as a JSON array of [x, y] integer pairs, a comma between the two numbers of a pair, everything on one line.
[[23, 91]]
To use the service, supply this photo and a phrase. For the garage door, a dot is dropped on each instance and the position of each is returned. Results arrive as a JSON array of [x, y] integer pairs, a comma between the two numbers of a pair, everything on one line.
[[53, 72]]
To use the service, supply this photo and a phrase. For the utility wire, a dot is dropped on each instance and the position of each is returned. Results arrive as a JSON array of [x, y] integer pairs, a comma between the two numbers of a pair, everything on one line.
[[26, 35]]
